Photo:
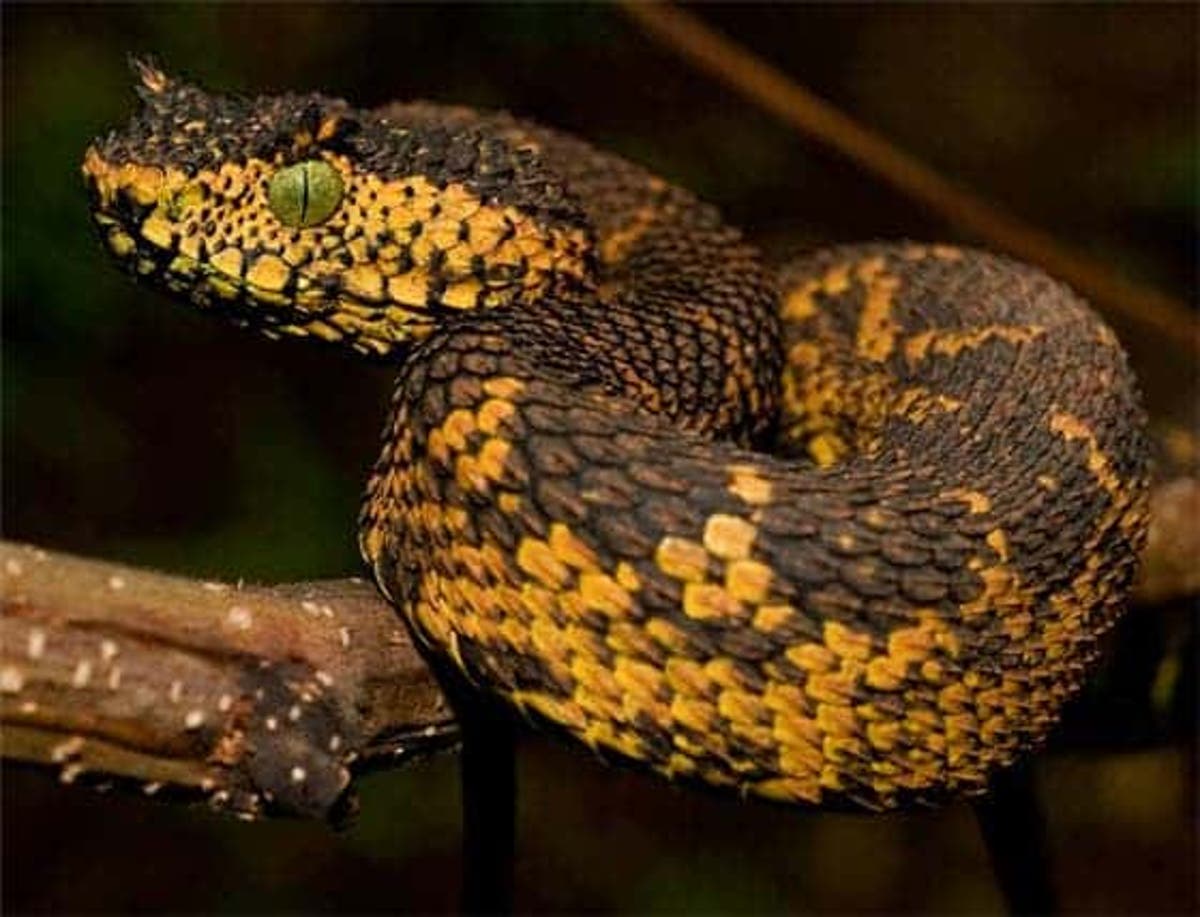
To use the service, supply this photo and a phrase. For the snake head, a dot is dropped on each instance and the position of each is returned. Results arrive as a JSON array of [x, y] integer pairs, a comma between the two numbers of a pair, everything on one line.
[[301, 215]]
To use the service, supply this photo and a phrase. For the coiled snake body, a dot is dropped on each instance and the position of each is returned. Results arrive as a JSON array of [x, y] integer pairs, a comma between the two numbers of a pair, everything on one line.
[[846, 535]]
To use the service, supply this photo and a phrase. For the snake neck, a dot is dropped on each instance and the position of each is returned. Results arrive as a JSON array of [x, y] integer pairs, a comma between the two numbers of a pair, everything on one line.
[[709, 371], [677, 315]]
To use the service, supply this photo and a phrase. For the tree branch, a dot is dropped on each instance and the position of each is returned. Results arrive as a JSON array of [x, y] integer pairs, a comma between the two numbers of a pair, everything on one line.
[[260, 699]]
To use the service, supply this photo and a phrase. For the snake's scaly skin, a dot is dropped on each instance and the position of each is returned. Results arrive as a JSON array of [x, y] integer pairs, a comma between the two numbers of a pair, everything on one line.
[[575, 503]]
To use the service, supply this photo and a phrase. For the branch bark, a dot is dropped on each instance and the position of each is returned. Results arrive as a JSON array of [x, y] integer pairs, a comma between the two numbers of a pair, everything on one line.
[[259, 699]]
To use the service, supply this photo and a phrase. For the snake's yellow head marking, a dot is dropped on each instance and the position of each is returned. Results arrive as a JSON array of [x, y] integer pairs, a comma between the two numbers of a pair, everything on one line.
[[298, 214]]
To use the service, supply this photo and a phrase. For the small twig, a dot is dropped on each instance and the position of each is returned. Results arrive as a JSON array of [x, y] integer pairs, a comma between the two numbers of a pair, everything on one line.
[[260, 699], [774, 91]]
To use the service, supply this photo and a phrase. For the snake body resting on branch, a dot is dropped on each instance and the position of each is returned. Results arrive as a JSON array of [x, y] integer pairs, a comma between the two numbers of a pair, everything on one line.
[[845, 535]]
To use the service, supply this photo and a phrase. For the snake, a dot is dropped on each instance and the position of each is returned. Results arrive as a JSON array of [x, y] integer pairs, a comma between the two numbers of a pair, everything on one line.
[[846, 533]]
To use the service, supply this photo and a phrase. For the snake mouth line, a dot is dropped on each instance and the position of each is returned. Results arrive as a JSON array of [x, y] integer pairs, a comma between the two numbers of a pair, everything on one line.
[[319, 307]]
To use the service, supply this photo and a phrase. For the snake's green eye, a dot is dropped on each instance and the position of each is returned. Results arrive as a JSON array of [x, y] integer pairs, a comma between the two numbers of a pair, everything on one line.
[[305, 194]]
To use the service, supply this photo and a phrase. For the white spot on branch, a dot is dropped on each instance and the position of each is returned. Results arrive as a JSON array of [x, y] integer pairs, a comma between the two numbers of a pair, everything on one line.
[[214, 587], [11, 680], [298, 774], [13, 567], [294, 713], [37, 643], [224, 702], [151, 788], [114, 678], [324, 678], [344, 633], [310, 607], [335, 742], [116, 582], [240, 617], [175, 694], [272, 724], [194, 719], [29, 707], [108, 649], [82, 674], [66, 750], [70, 772]]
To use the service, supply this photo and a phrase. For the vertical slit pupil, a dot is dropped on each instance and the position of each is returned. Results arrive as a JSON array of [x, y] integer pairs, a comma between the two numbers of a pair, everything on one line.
[[303, 195]]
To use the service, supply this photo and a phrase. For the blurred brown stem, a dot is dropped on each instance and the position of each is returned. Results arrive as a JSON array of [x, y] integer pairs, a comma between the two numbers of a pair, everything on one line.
[[1171, 562], [260, 699], [774, 91]]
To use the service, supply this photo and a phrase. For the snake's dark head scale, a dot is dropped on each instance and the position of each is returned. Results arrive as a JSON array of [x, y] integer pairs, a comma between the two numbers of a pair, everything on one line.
[[890, 600], [301, 215]]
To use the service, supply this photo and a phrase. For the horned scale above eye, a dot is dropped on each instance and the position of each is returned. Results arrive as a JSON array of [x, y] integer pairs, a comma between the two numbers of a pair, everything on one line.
[[882, 608], [305, 194]]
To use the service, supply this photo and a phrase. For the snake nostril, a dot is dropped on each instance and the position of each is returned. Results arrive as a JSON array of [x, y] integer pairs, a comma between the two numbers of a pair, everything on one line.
[[128, 208]]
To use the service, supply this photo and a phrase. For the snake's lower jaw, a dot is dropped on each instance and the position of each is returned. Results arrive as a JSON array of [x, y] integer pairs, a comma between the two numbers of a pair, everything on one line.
[[376, 331]]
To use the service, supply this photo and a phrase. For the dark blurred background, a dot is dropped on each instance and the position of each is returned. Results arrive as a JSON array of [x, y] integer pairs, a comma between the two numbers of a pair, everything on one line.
[[138, 431]]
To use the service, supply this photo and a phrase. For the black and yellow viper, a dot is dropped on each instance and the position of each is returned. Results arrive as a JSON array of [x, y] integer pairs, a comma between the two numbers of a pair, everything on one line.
[[849, 534]]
